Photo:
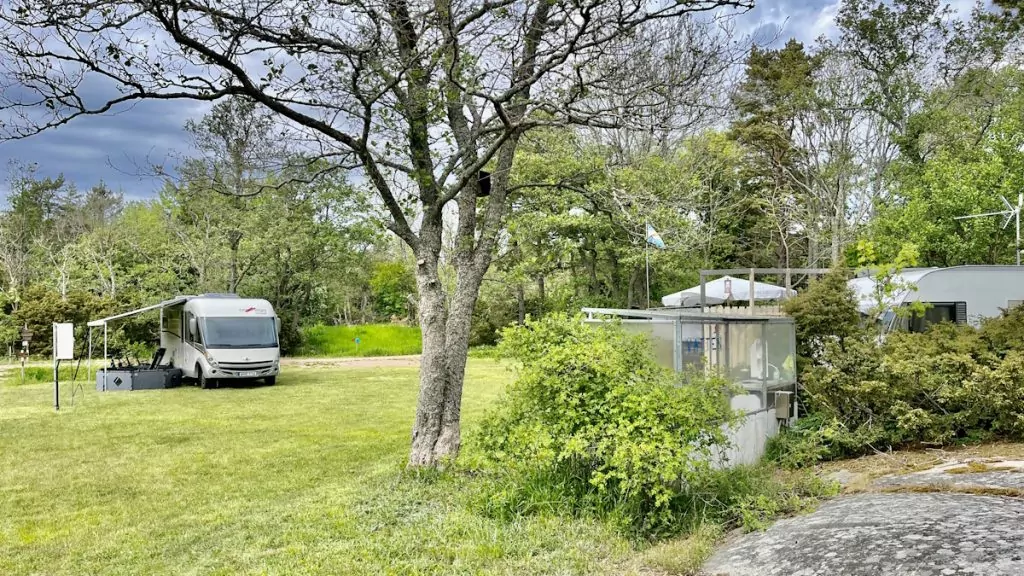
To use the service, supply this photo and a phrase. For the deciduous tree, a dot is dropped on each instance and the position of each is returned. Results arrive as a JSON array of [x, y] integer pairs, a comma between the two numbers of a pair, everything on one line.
[[421, 97]]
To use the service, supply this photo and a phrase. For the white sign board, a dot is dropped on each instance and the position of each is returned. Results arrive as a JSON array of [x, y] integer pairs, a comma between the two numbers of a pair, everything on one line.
[[64, 341]]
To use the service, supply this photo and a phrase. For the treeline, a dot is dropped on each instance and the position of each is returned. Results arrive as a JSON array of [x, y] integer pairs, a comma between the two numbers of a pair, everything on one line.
[[298, 235], [855, 149], [860, 149]]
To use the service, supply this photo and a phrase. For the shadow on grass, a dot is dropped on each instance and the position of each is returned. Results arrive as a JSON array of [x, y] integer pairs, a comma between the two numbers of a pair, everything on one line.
[[232, 384]]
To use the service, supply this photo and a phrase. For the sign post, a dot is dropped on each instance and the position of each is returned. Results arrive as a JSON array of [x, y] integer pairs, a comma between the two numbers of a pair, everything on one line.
[[63, 349], [26, 337]]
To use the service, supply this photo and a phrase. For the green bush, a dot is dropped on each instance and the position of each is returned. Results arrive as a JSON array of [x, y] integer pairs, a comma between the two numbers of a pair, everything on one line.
[[1006, 332], [394, 289], [800, 446], [748, 497], [949, 384], [593, 422], [824, 313]]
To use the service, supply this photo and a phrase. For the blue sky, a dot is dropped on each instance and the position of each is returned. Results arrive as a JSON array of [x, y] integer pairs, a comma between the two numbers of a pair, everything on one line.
[[116, 148]]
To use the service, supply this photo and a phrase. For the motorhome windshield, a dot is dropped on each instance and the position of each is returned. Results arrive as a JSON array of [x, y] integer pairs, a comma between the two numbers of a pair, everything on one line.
[[240, 333]]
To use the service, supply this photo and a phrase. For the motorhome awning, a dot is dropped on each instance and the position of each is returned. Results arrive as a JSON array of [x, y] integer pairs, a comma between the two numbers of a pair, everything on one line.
[[104, 321], [164, 304]]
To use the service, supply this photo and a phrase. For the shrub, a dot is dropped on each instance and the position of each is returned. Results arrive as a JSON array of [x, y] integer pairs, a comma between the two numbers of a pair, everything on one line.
[[800, 446], [593, 422], [949, 384], [394, 288], [825, 312], [1006, 332], [748, 497]]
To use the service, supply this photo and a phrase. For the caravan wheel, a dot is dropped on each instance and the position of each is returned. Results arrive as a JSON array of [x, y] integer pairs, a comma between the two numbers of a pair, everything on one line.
[[204, 382]]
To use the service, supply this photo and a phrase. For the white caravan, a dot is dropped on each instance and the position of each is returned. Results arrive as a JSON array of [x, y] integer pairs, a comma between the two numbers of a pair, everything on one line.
[[216, 337], [961, 294]]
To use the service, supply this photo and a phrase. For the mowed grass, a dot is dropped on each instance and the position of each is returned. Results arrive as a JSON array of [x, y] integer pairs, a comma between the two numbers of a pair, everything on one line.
[[374, 340], [305, 477]]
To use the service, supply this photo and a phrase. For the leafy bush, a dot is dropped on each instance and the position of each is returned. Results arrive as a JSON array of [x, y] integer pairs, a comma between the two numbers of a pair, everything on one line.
[[496, 308], [394, 287], [799, 446], [949, 384], [825, 312], [1006, 332], [748, 497], [594, 422]]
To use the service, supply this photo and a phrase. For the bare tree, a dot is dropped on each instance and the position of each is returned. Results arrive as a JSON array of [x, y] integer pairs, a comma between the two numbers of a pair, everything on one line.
[[689, 65], [429, 93]]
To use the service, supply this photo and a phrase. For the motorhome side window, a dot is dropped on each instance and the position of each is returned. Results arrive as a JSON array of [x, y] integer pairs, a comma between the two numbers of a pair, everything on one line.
[[190, 335], [955, 312]]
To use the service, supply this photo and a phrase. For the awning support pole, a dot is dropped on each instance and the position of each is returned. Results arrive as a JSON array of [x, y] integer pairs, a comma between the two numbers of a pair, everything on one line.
[[88, 366]]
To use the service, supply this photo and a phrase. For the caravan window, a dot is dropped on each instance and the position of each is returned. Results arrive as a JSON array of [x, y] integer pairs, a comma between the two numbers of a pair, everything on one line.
[[939, 312], [189, 335]]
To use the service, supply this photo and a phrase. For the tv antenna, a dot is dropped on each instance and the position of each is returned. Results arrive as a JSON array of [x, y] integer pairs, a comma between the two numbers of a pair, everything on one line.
[[1012, 212]]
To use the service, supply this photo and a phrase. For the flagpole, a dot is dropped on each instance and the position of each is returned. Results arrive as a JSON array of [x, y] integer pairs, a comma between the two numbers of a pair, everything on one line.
[[647, 259]]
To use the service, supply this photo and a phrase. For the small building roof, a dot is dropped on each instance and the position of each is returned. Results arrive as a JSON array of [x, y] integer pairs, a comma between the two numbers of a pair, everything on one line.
[[686, 315]]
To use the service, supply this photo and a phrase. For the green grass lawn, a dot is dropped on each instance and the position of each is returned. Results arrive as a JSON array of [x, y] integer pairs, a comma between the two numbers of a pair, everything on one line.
[[375, 340], [301, 478]]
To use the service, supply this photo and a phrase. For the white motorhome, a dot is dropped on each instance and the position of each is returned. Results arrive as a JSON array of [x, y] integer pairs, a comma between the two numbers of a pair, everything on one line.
[[208, 338], [960, 294], [221, 336]]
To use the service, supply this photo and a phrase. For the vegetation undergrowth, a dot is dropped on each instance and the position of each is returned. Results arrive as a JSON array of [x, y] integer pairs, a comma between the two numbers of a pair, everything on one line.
[[594, 428], [43, 374], [949, 385], [374, 340]]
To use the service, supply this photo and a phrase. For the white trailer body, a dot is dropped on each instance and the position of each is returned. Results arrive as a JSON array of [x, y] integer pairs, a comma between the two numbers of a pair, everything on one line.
[[222, 337], [961, 294]]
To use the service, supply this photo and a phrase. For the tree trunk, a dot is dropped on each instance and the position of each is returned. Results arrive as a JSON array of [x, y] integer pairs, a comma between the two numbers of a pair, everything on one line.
[[838, 228], [233, 268], [594, 287], [436, 435], [521, 300], [631, 289], [540, 295], [812, 252]]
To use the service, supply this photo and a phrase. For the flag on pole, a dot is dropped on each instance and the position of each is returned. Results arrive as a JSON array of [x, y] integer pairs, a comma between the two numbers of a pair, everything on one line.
[[653, 238]]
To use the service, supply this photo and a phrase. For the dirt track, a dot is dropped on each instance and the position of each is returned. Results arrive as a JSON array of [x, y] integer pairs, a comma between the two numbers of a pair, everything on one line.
[[369, 362]]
